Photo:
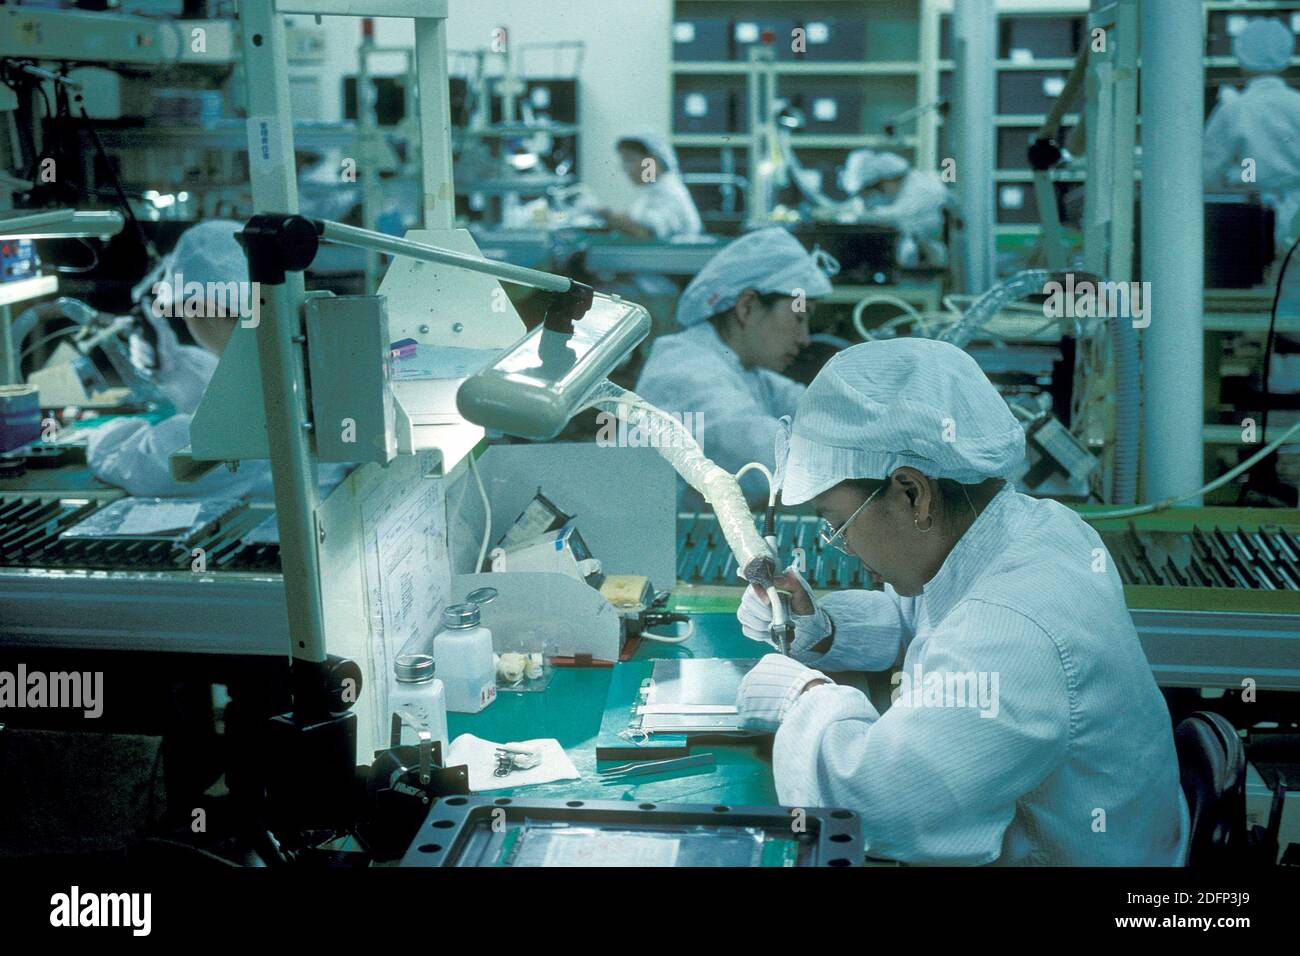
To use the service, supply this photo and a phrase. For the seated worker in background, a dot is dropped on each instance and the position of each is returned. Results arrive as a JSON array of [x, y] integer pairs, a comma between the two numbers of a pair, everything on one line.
[[206, 252], [663, 208], [1026, 727], [745, 318], [135, 455], [1260, 124], [885, 190]]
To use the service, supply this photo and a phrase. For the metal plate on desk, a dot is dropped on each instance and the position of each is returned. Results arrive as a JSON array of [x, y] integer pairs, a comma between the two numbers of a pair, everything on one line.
[[487, 831], [706, 682], [693, 696]]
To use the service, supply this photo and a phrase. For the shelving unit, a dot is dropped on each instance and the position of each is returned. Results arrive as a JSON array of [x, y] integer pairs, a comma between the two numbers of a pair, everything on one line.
[[863, 64], [1050, 18], [1034, 37]]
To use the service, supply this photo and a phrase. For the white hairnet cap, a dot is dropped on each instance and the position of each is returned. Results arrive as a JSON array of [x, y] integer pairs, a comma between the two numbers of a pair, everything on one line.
[[656, 144], [866, 167], [206, 252], [769, 260], [883, 405], [1264, 46]]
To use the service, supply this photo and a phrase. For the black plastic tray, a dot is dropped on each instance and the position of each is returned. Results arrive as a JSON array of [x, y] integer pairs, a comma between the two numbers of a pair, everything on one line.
[[834, 835]]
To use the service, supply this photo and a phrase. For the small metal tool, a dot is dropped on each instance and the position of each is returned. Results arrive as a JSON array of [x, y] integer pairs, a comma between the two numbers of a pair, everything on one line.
[[654, 767]]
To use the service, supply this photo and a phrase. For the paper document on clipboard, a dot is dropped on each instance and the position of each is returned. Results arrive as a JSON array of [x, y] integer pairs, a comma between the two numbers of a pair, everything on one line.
[[407, 572]]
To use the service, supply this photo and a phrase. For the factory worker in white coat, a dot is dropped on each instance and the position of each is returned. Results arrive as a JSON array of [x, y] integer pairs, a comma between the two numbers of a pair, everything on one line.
[[745, 319], [885, 190], [205, 253], [135, 455], [1026, 727], [663, 208], [1260, 124]]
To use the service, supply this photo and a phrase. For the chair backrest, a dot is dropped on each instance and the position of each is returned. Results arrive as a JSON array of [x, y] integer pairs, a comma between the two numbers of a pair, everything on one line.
[[1212, 768]]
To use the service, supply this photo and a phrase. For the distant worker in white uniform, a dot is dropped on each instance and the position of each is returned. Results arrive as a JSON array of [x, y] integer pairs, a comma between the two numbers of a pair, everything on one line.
[[884, 189], [745, 319], [663, 207], [1026, 727], [135, 455], [1252, 138]]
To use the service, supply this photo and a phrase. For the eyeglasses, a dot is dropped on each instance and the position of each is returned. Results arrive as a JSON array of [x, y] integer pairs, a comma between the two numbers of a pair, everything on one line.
[[831, 538]]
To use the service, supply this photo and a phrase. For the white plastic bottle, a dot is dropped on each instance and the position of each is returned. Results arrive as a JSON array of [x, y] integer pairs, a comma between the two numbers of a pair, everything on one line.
[[419, 696], [463, 654]]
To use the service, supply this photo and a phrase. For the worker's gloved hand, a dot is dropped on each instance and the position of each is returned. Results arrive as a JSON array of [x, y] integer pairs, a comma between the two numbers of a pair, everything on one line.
[[769, 691], [811, 623], [144, 357]]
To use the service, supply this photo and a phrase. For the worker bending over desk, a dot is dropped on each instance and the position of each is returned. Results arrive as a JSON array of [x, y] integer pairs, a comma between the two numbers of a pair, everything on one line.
[[1027, 727], [663, 208], [885, 190], [745, 317], [134, 454]]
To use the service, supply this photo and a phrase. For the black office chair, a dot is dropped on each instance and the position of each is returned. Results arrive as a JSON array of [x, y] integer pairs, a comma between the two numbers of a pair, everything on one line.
[[1212, 768]]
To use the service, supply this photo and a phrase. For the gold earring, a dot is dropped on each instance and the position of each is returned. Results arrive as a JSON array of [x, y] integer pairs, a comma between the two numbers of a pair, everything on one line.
[[916, 523]]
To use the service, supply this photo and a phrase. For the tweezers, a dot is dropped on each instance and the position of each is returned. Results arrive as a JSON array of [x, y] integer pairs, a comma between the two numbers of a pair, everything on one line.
[[646, 768]]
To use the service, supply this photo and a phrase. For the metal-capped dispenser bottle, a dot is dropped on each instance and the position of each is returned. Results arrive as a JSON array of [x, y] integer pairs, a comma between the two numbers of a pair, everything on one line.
[[462, 652], [419, 699]]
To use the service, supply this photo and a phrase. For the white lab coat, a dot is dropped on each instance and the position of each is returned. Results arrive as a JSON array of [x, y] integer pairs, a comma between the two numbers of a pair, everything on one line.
[[916, 211], [1077, 764], [135, 455], [694, 372], [666, 208], [183, 371], [1262, 123]]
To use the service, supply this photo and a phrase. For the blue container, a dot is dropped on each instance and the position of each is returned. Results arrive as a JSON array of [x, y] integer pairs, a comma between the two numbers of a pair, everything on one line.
[[835, 39], [20, 415], [701, 111], [831, 110], [700, 39], [748, 32]]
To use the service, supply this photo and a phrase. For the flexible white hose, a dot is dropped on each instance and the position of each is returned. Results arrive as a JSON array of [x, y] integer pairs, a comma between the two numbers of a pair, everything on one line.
[[681, 639], [771, 483], [878, 297], [754, 559]]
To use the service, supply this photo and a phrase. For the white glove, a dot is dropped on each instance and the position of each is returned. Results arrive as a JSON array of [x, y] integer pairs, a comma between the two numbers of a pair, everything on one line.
[[144, 358], [755, 616], [769, 691]]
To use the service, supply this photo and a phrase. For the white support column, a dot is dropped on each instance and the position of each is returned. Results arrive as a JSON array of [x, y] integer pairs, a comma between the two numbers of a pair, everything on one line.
[[1173, 82], [974, 36], [435, 123], [293, 454]]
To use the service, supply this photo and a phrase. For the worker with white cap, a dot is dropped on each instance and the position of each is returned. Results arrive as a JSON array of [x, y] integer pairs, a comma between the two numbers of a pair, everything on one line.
[[205, 256], [744, 319], [194, 282], [663, 208], [1252, 139], [884, 189], [1026, 727]]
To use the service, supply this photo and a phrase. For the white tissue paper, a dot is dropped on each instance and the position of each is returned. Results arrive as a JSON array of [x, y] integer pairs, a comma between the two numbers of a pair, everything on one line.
[[480, 756]]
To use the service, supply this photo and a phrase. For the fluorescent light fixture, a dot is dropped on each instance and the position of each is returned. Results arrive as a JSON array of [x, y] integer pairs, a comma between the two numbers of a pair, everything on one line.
[[60, 224]]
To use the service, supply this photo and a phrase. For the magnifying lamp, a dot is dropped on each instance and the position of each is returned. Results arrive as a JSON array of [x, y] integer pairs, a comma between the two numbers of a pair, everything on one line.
[[536, 385]]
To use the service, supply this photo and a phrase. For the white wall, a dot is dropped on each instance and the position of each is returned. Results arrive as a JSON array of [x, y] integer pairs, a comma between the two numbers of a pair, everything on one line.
[[624, 85]]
